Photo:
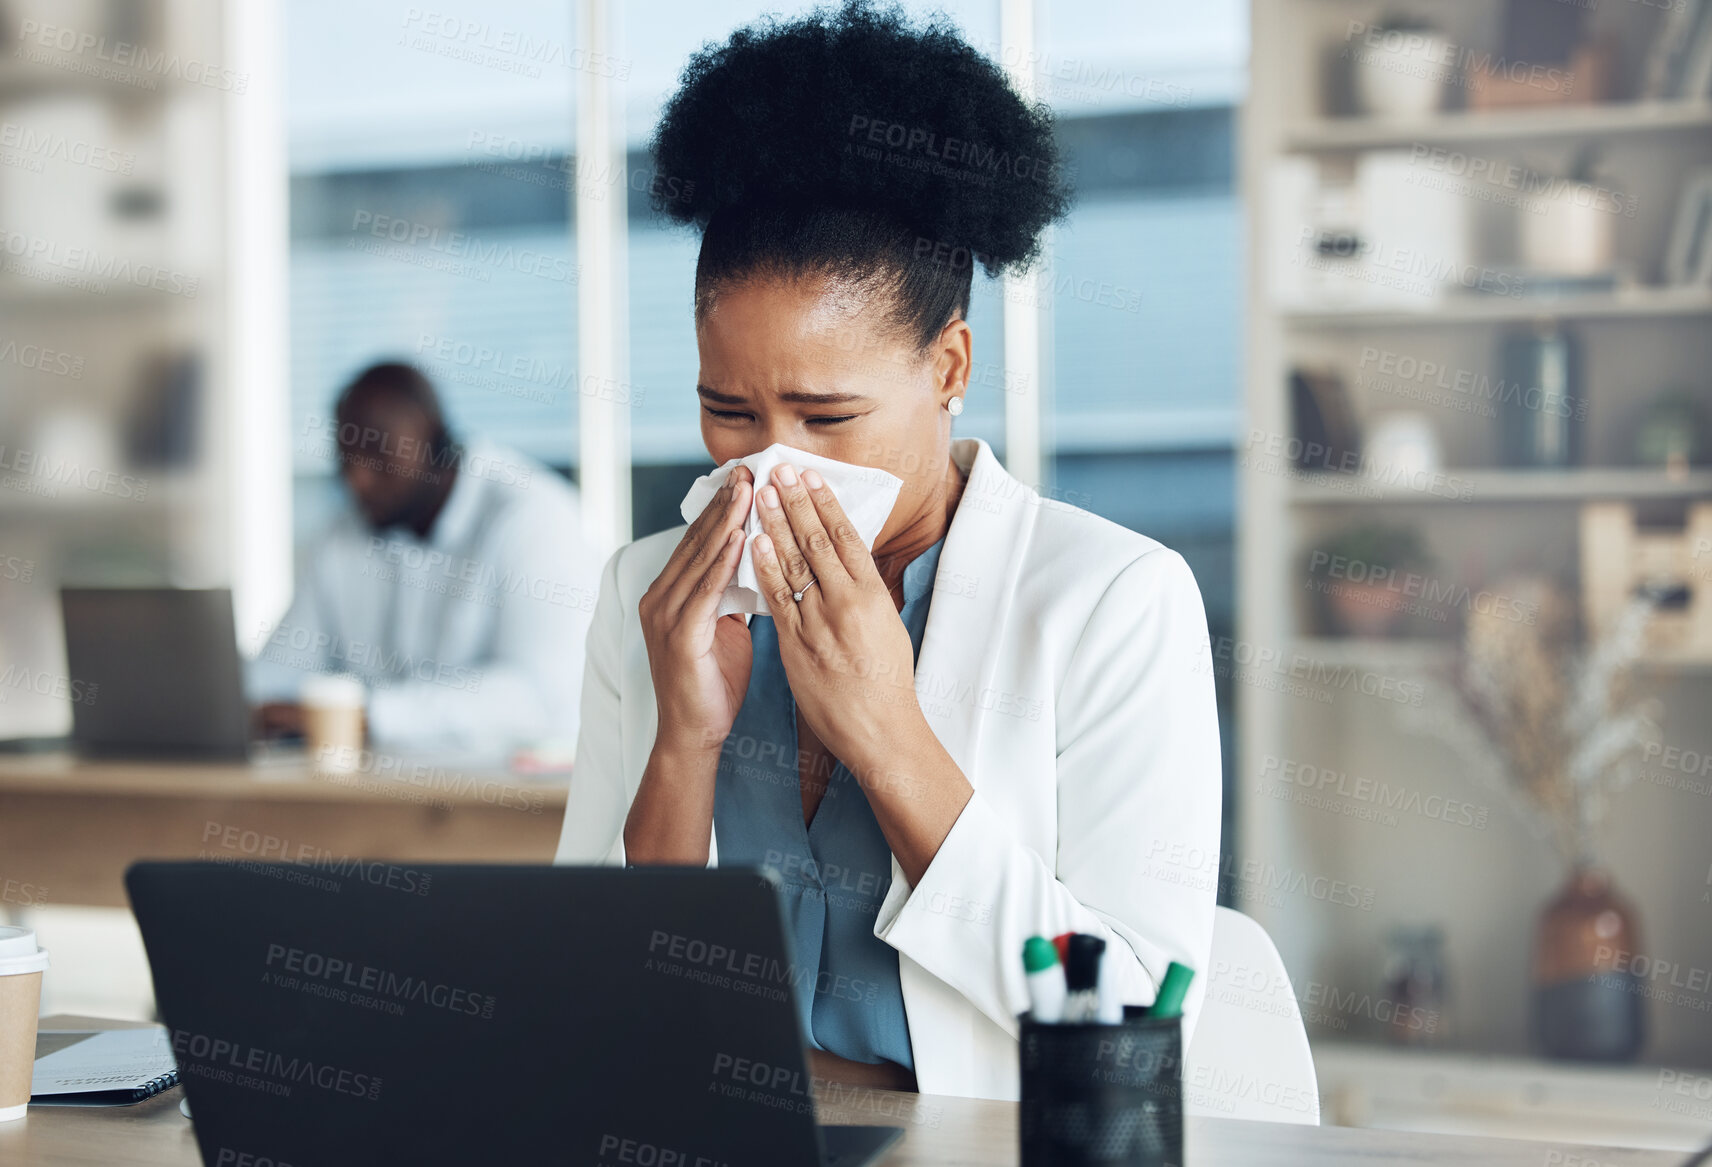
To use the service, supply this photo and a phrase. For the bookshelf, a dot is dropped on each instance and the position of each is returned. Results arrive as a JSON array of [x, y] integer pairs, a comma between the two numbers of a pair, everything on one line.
[[1636, 303], [142, 241], [1458, 127], [1637, 338]]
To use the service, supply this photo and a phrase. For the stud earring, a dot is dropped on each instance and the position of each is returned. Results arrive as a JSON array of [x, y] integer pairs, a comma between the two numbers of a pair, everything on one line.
[[954, 407]]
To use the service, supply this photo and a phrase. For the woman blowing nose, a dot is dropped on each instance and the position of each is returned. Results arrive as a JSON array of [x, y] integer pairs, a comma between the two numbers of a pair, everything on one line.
[[997, 723]]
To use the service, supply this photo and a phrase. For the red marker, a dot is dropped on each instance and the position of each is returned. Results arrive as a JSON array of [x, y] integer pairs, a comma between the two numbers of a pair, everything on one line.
[[1062, 943]]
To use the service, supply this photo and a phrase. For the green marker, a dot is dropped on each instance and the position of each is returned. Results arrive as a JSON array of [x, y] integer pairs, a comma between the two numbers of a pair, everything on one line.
[[1172, 990], [1045, 980]]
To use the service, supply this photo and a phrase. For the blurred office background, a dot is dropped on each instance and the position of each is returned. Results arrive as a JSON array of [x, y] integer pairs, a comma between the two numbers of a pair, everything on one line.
[[1392, 319]]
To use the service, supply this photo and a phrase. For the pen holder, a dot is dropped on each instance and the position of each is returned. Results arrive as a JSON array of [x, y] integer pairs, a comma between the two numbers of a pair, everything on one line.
[[1109, 1094]]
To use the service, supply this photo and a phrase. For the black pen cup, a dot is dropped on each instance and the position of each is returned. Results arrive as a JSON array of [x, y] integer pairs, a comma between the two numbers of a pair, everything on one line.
[[1102, 1094]]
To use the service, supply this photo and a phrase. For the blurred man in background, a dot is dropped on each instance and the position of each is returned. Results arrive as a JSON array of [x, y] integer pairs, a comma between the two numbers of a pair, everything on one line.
[[458, 588]]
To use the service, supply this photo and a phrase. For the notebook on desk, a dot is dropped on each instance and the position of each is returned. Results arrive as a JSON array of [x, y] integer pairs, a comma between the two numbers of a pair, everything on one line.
[[107, 1067]]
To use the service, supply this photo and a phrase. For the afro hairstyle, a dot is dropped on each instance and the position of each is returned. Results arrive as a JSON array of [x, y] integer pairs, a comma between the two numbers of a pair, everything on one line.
[[849, 144]]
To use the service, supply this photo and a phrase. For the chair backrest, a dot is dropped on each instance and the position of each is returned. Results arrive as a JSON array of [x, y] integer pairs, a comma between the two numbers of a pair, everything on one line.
[[1249, 1057]]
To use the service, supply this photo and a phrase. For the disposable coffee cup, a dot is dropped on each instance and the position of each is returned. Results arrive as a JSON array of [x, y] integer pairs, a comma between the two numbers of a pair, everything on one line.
[[21, 967], [333, 721]]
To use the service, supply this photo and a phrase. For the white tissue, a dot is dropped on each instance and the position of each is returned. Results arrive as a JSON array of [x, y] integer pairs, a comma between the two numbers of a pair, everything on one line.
[[866, 494]]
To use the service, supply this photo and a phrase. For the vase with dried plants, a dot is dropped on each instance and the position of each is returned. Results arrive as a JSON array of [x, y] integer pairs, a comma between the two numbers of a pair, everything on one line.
[[1562, 714]]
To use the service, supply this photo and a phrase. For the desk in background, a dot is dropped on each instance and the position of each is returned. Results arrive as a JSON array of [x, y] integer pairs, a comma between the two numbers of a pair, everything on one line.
[[938, 1131], [71, 827]]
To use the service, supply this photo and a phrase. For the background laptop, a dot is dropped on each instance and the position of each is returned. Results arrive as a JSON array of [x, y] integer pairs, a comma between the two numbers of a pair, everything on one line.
[[367, 1012], [165, 670]]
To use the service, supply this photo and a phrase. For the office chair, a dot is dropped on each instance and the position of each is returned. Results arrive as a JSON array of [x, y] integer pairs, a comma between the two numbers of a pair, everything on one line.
[[1249, 1057]]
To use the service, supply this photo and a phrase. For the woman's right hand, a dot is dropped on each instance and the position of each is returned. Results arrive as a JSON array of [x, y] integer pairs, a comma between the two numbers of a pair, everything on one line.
[[700, 661]]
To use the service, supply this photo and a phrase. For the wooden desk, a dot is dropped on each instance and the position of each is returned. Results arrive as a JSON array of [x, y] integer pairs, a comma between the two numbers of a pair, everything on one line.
[[939, 1131], [69, 828]]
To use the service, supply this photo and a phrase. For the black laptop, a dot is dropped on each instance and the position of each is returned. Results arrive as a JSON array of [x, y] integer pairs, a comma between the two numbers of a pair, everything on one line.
[[345, 1011]]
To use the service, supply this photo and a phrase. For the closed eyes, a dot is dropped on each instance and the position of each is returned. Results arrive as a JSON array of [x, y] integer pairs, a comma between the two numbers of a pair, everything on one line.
[[739, 415]]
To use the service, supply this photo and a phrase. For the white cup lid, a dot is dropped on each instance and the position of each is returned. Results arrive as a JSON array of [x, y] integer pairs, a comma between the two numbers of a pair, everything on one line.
[[332, 690], [18, 951]]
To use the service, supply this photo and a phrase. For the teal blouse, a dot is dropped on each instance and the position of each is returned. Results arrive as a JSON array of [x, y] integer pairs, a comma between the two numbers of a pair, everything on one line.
[[835, 872]]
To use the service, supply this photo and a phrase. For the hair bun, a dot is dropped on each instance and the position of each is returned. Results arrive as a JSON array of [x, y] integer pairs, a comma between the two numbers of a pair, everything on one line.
[[856, 108]]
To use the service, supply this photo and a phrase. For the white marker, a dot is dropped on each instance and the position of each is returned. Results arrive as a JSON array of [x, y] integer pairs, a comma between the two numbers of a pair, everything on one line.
[[1045, 980]]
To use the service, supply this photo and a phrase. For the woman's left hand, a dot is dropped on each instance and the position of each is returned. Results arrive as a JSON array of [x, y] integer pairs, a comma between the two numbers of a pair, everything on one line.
[[845, 651]]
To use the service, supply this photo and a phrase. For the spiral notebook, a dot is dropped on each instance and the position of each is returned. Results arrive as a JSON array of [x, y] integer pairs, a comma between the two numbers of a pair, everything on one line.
[[104, 1067]]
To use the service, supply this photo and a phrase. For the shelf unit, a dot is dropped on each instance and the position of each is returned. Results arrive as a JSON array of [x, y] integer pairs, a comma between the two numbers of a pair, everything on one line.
[[1463, 127], [1640, 303], [119, 172], [1508, 486], [1484, 888]]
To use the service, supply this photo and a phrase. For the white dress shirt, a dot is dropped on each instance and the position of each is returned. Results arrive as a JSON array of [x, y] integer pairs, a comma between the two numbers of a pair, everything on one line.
[[469, 639], [1066, 669]]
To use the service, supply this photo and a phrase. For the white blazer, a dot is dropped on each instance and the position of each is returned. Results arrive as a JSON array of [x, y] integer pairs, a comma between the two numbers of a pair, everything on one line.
[[1066, 668]]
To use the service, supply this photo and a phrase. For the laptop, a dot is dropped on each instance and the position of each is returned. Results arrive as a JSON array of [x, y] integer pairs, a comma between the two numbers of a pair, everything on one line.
[[345, 1011], [161, 670]]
